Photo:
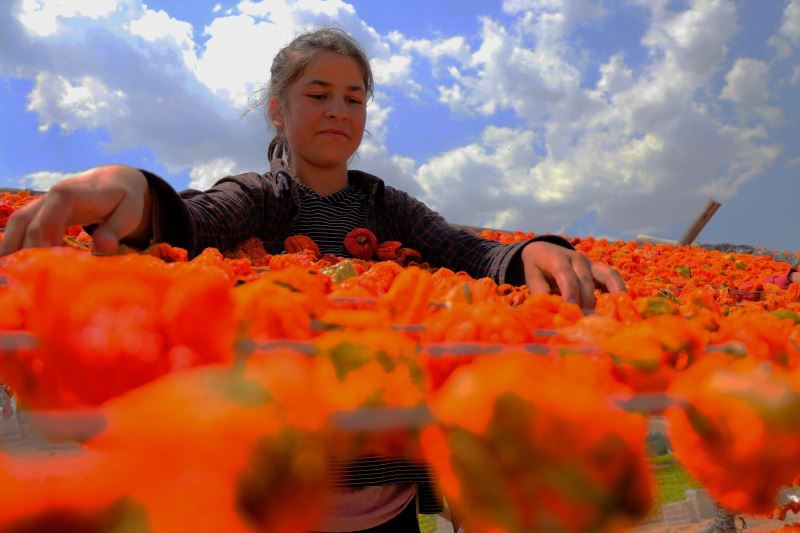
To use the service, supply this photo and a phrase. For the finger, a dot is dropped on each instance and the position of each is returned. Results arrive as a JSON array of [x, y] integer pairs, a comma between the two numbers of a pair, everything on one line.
[[53, 217], [609, 277], [125, 218], [31, 239], [537, 283], [567, 280], [17, 226], [583, 271]]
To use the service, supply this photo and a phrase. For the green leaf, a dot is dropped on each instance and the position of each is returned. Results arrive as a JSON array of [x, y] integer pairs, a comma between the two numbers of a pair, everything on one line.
[[702, 425], [646, 365], [683, 272], [347, 357], [125, 516], [234, 387], [418, 376], [385, 360], [741, 265], [480, 473], [340, 271], [785, 314], [658, 306]]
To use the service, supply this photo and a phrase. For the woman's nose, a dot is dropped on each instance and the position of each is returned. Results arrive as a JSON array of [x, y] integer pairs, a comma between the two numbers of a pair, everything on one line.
[[336, 109]]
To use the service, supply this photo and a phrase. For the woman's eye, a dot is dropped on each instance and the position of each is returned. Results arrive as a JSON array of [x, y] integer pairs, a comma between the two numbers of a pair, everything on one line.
[[317, 96], [354, 101]]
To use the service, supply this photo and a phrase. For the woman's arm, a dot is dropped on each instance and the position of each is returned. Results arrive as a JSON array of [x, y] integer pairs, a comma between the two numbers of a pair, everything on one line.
[[118, 204], [545, 263], [220, 217], [115, 198], [417, 226]]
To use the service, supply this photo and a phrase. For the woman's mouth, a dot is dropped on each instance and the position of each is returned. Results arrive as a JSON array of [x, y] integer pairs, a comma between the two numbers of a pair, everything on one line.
[[334, 132]]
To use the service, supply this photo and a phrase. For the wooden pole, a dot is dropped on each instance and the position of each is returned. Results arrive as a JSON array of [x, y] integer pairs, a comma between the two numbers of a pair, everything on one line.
[[700, 222]]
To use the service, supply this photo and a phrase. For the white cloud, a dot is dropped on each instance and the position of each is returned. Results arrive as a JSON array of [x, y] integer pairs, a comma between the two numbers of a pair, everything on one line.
[[83, 103], [788, 35], [41, 17], [746, 83], [181, 99], [611, 149], [373, 155], [43, 180], [154, 26], [615, 77], [790, 26], [504, 73], [574, 10], [638, 149], [690, 49], [133, 83], [391, 70], [451, 47], [260, 29], [286, 11], [135, 75], [553, 19], [239, 36], [204, 175], [747, 86], [472, 183]]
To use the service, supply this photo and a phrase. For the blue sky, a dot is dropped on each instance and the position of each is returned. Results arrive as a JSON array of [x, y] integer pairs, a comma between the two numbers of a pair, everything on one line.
[[609, 118]]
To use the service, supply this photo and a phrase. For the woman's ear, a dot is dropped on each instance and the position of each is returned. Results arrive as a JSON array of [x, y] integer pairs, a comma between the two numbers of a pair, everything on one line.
[[276, 113]]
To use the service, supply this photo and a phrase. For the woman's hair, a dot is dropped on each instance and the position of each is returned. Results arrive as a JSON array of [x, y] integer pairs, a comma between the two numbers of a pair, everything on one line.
[[288, 66]]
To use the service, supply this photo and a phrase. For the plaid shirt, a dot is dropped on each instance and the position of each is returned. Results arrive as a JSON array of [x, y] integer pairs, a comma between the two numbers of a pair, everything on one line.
[[239, 207]]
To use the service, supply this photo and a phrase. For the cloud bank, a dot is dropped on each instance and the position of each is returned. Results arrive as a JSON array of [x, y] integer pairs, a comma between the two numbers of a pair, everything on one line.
[[635, 144]]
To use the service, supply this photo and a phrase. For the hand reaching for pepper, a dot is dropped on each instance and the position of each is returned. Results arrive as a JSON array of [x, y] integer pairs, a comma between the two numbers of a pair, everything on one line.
[[116, 198], [550, 267]]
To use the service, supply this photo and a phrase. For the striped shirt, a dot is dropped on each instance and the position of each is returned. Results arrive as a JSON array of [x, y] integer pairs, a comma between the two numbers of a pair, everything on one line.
[[327, 219], [363, 499]]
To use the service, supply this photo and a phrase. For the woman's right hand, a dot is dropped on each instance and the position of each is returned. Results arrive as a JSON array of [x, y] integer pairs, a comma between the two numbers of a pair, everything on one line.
[[116, 198]]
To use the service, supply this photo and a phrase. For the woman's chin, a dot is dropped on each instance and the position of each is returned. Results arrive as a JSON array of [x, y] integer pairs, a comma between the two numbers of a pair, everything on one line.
[[331, 161]]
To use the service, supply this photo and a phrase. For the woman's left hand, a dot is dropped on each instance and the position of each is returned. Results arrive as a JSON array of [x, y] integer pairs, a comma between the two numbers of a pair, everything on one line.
[[550, 267]]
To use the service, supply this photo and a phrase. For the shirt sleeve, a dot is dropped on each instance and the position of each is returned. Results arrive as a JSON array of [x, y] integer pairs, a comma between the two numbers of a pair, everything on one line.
[[221, 217], [443, 244]]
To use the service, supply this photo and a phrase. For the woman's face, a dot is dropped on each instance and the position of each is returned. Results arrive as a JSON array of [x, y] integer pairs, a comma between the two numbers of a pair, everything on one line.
[[325, 114]]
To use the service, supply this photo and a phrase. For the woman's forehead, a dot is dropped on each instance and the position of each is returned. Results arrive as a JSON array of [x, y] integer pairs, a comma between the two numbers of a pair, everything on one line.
[[335, 70]]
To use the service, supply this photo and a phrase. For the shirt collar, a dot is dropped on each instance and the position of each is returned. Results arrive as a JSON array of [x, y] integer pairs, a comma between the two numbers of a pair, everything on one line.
[[372, 185]]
